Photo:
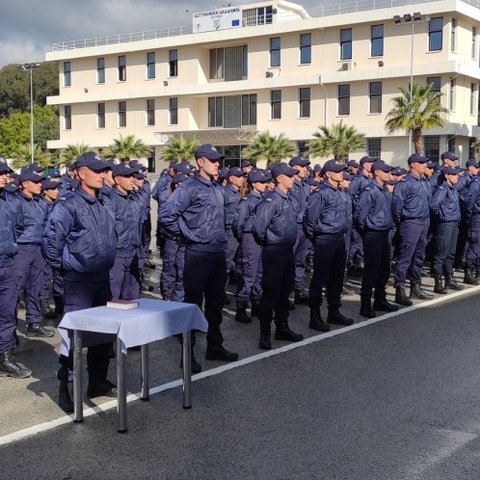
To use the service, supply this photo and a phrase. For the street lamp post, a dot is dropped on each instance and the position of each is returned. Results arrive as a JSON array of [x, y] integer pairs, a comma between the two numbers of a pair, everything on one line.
[[31, 67], [412, 19]]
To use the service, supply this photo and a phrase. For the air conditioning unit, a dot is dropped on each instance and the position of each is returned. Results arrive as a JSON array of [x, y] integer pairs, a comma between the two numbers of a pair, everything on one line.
[[268, 74], [346, 65]]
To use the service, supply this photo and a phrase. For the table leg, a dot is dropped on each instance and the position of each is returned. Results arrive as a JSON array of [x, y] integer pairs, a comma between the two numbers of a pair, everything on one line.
[[145, 392], [121, 392], [187, 369], [77, 377]]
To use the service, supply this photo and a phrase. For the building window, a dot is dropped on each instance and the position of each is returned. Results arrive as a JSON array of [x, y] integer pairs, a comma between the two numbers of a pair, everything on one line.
[[122, 114], [473, 91], [453, 38], [375, 95], [151, 161], [229, 63], [67, 74], [257, 16], [435, 82], [150, 65], [474, 42], [100, 70], [305, 48], [344, 99], [100, 115], [432, 148], [122, 68], [346, 44], [276, 104], [452, 94], [173, 111], [173, 63], [275, 52], [216, 63], [150, 112], [249, 109], [376, 41], [451, 144], [304, 102], [67, 115], [244, 60], [374, 146], [303, 149], [215, 111], [435, 34]]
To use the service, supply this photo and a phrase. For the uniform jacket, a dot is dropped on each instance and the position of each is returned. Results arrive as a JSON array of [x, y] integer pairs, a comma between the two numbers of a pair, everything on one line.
[[374, 208], [446, 203], [232, 199], [242, 221], [357, 184], [34, 213], [411, 200], [300, 192], [11, 221]]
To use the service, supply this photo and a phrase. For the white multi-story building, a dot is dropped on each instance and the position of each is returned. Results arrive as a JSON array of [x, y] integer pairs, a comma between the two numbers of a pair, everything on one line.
[[274, 66]]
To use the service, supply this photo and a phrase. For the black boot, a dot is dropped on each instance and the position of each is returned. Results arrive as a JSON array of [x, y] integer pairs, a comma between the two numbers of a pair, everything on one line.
[[9, 367], [291, 305], [300, 298], [366, 307], [401, 297], [283, 332], [439, 285], [218, 352], [316, 321], [58, 304], [265, 341], [417, 292], [46, 310], [196, 367], [37, 330], [470, 277], [451, 283], [64, 399], [242, 316], [254, 309], [381, 305], [334, 316]]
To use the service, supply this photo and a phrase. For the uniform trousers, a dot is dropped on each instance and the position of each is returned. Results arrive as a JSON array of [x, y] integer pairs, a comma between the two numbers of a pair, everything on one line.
[[29, 271], [278, 273], [168, 275], [178, 294], [301, 250], [329, 260], [444, 246], [125, 278], [249, 283], [413, 241], [231, 251], [90, 291], [376, 253], [472, 255], [356, 246], [8, 318], [204, 277]]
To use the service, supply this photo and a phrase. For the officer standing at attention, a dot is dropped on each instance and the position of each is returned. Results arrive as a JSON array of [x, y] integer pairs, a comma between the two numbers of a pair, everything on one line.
[[411, 213], [447, 159], [275, 229], [446, 217], [327, 218], [195, 215], [300, 191], [471, 200], [373, 218], [10, 219], [80, 240]]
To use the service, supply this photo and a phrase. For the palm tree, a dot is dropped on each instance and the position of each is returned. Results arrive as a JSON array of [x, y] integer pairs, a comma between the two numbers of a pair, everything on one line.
[[180, 148], [73, 151], [127, 147], [271, 148], [22, 155], [415, 111], [476, 148], [339, 141]]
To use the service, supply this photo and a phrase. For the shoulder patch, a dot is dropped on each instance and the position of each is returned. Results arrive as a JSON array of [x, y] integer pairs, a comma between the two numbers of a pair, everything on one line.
[[268, 199]]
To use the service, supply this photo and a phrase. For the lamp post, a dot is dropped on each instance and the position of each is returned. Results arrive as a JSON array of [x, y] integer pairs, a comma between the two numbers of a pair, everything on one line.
[[31, 67], [412, 20]]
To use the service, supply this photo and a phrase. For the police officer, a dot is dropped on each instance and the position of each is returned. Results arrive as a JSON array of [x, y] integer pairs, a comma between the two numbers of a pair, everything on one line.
[[327, 217], [411, 213], [249, 284], [80, 240], [300, 192], [446, 216], [353, 167], [10, 218], [29, 263], [275, 228], [373, 217], [129, 214], [471, 200], [195, 215], [447, 159]]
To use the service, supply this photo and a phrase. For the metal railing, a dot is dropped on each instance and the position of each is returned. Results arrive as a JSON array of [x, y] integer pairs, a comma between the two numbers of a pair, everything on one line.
[[326, 10]]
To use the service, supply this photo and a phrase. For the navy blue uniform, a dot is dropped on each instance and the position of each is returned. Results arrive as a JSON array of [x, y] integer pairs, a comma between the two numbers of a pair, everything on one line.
[[471, 200], [232, 199], [195, 215], [411, 212], [275, 229], [373, 217], [327, 217]]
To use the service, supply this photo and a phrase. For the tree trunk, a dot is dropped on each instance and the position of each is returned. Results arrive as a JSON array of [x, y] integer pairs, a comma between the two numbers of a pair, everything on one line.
[[417, 140]]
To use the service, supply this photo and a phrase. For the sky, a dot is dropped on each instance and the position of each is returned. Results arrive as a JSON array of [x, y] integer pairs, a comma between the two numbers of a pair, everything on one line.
[[28, 27]]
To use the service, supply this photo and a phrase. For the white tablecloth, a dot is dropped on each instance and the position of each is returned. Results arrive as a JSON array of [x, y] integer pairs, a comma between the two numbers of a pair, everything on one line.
[[152, 320]]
